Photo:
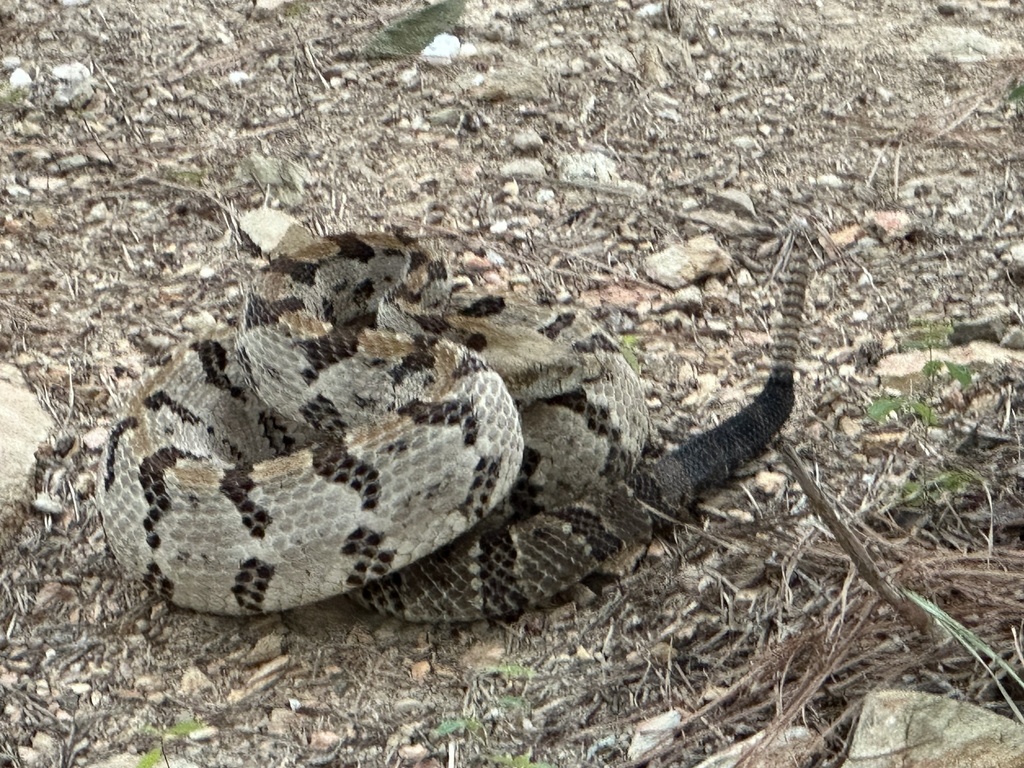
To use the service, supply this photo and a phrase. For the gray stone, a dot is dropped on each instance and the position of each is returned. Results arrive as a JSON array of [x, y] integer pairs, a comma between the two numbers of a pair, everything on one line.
[[27, 425], [979, 330], [682, 264], [528, 141], [733, 201], [1014, 339], [527, 168]]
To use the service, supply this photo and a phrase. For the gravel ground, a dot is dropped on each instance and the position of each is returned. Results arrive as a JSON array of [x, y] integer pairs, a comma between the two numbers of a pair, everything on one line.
[[571, 144]]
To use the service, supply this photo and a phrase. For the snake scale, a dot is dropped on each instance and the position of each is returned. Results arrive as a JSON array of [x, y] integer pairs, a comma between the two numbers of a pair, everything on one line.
[[375, 428]]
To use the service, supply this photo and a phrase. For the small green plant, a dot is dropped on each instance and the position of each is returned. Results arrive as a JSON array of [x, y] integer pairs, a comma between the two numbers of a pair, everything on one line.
[[882, 407], [950, 482], [1017, 94], [10, 97], [927, 334], [459, 725], [156, 755]]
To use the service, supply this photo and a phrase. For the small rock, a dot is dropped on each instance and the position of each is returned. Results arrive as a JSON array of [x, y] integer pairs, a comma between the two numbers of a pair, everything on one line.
[[203, 734], [98, 212], [268, 647], [419, 670], [273, 230], [526, 168], [323, 740], [520, 84], [27, 426], [442, 49], [745, 142], [194, 680], [587, 168], [528, 141], [770, 483], [410, 78], [981, 330], [683, 264], [1014, 339], [75, 72], [237, 77], [652, 733], [96, 438], [829, 180], [734, 201], [20, 79], [888, 225], [413, 753]]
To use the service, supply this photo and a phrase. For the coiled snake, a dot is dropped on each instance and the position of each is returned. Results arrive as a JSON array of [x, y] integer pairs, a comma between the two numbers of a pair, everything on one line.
[[439, 454]]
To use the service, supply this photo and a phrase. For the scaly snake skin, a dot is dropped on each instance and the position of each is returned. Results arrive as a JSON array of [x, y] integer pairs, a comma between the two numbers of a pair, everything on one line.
[[438, 454]]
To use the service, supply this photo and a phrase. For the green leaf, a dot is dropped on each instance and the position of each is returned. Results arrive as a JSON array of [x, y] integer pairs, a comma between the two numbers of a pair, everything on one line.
[[931, 368], [184, 728], [412, 33], [924, 412], [1017, 92], [151, 758], [961, 373], [880, 409]]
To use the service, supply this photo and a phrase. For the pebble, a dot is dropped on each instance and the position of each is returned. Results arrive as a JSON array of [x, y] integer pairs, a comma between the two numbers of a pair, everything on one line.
[[528, 141], [682, 264], [527, 168], [20, 79]]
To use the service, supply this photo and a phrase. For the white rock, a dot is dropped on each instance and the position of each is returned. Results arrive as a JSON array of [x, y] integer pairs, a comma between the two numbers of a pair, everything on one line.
[[75, 72], [268, 228], [444, 47], [584, 167], [20, 79], [652, 733], [237, 77], [907, 728], [27, 425]]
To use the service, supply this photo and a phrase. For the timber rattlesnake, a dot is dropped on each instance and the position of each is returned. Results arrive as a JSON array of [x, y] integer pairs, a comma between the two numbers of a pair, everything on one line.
[[439, 454]]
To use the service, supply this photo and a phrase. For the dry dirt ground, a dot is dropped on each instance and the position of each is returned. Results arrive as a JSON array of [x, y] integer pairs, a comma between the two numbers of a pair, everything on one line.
[[118, 240]]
